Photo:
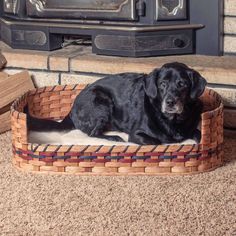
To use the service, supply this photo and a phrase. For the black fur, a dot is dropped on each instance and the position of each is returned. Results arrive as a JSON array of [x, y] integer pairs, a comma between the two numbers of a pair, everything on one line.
[[161, 107]]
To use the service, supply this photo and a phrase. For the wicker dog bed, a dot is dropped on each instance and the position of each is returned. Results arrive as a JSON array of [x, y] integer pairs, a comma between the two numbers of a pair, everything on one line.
[[55, 103]]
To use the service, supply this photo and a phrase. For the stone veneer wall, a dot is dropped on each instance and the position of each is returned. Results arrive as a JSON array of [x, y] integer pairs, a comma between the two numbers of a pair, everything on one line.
[[230, 27]]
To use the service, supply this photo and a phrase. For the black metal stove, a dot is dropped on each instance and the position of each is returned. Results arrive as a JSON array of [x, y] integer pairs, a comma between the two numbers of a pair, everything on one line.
[[116, 27]]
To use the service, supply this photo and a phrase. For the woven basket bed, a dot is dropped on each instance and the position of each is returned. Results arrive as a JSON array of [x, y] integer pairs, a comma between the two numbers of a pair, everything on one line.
[[55, 103]]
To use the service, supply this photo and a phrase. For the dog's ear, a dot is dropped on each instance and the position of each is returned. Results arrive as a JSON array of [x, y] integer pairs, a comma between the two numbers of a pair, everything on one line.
[[198, 84], [151, 83]]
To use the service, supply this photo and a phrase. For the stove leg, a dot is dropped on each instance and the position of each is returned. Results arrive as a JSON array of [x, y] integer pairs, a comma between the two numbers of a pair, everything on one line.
[[27, 37]]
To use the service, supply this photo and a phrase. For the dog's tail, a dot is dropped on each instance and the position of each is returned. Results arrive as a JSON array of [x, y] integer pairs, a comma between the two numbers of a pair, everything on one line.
[[37, 124]]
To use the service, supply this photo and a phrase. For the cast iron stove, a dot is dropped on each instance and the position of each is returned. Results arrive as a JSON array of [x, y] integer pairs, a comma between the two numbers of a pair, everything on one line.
[[116, 27]]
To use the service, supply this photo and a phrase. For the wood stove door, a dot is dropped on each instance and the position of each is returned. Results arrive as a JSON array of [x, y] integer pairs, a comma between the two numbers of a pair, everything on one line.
[[82, 9]]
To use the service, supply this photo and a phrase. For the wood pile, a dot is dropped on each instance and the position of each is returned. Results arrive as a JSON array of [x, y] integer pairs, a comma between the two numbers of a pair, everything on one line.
[[11, 87]]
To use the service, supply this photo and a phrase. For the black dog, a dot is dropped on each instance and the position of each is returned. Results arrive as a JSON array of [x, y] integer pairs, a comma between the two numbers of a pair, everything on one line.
[[161, 107]]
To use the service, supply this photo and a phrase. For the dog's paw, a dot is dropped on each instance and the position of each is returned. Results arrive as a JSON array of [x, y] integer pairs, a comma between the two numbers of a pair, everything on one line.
[[115, 138], [178, 137]]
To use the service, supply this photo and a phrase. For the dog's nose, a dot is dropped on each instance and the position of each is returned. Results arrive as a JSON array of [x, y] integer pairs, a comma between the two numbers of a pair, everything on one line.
[[170, 102]]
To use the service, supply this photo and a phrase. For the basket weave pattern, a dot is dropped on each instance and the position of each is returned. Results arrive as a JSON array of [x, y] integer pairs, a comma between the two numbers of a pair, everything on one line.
[[55, 103]]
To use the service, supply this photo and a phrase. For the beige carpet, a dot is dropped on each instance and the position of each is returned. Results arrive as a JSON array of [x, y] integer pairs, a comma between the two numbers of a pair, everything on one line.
[[36, 204]]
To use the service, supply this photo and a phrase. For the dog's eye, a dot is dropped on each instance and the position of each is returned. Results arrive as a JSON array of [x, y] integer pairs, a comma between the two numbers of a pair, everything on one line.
[[180, 84], [163, 84]]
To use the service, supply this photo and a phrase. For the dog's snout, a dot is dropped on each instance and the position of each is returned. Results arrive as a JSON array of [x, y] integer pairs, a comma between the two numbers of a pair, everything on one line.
[[170, 102]]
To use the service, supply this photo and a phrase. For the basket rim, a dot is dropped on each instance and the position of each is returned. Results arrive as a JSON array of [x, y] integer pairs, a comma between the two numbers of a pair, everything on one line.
[[31, 146]]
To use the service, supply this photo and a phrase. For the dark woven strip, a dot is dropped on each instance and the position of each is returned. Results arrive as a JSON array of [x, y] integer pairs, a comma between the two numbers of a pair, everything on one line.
[[56, 150], [213, 151], [114, 157], [153, 148], [167, 146], [179, 149], [85, 148], [35, 156], [101, 154], [110, 150], [69, 149], [193, 155], [18, 152], [88, 157], [34, 150], [193, 146], [167, 157], [74, 87], [28, 154], [52, 89], [64, 88], [140, 157], [61, 157], [40, 157], [25, 157], [126, 148], [139, 147], [99, 148]]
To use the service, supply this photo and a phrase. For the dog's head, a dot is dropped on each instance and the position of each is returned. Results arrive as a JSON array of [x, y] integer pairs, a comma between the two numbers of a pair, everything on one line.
[[174, 84]]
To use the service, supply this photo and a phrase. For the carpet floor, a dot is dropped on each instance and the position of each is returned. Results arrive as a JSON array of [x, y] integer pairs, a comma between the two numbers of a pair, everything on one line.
[[39, 204]]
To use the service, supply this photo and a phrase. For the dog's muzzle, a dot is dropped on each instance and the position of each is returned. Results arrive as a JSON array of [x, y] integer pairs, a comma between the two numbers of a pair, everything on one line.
[[172, 106]]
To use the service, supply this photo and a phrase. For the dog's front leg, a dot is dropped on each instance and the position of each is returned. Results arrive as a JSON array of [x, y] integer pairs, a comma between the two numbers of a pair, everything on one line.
[[143, 139]]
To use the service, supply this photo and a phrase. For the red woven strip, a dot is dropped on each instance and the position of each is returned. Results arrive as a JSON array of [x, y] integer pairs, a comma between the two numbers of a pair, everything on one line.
[[204, 158], [149, 160], [126, 160], [179, 153], [205, 152], [128, 154], [100, 160], [27, 158], [25, 152], [47, 154], [48, 160], [180, 159], [75, 154]]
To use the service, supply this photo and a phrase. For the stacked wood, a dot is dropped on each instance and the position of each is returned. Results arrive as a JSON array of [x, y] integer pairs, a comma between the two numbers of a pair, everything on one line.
[[2, 61], [11, 87], [228, 94]]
